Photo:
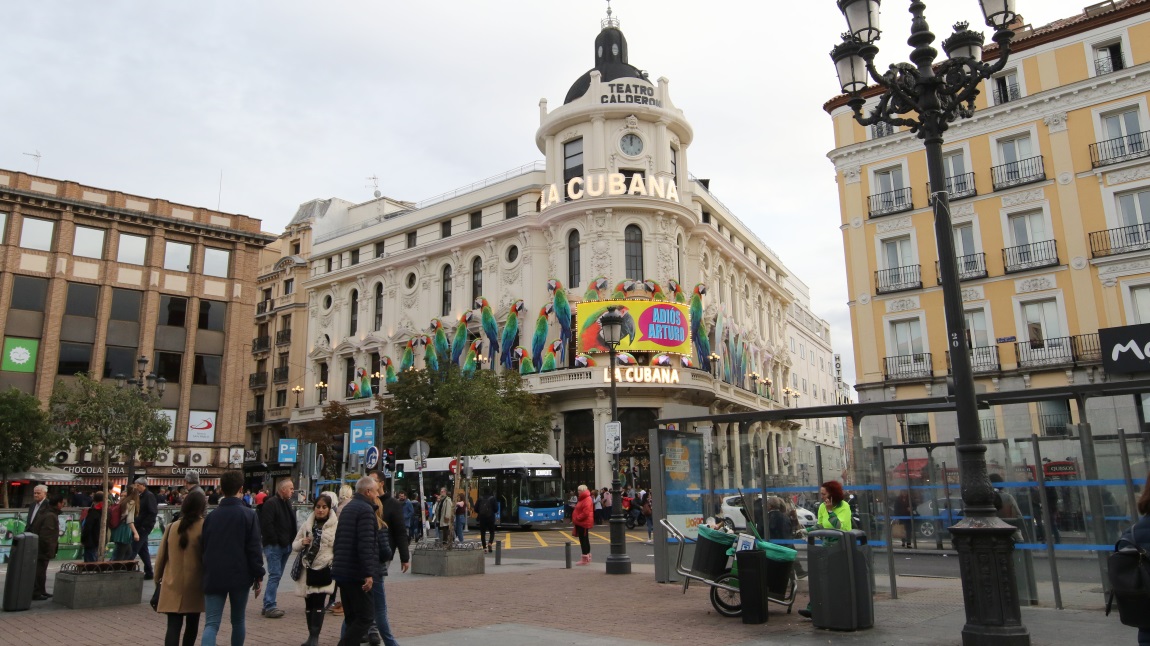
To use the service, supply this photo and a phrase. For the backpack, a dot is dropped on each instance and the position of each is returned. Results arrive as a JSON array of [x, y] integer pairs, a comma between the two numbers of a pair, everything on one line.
[[646, 508], [1129, 567], [116, 515]]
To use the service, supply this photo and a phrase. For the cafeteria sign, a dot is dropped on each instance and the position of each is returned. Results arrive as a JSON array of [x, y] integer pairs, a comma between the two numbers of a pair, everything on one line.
[[648, 326]]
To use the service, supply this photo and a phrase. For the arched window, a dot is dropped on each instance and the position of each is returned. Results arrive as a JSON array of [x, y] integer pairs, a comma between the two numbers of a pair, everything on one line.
[[633, 251], [354, 326], [476, 278], [573, 259], [446, 308], [379, 306]]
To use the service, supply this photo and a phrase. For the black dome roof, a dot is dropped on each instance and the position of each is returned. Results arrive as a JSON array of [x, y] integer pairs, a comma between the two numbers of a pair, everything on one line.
[[610, 60]]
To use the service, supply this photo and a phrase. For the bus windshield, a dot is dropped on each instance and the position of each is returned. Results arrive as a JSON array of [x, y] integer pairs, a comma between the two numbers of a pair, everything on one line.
[[542, 491]]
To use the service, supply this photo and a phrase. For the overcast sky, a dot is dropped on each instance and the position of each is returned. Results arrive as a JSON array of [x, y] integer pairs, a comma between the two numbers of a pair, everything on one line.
[[293, 100]]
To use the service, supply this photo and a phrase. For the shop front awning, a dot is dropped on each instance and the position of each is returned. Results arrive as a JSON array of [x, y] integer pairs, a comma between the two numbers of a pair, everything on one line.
[[914, 468], [44, 475]]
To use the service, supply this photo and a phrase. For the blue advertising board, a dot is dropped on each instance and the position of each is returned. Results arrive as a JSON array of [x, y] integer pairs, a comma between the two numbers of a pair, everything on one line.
[[289, 450], [362, 435]]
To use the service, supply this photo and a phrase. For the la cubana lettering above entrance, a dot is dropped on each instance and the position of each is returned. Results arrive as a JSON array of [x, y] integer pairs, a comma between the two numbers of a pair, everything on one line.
[[643, 375], [611, 184], [630, 93]]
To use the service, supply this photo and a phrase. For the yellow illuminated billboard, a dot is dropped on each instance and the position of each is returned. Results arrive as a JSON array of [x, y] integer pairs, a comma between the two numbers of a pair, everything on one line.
[[648, 326]]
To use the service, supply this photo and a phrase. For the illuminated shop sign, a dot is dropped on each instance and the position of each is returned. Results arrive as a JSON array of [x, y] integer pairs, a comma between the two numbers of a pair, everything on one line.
[[648, 326], [610, 184], [642, 375]]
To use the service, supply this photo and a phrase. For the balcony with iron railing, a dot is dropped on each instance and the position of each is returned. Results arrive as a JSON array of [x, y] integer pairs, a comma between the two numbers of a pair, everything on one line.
[[258, 380], [1087, 348], [881, 129], [1006, 94], [1120, 149], [1030, 256], [261, 344], [1037, 353], [1109, 62], [255, 417], [898, 279], [263, 307], [918, 433], [1023, 171], [988, 429], [1128, 239], [895, 201], [957, 187], [970, 267], [283, 337], [1054, 423], [908, 366], [983, 359], [280, 375]]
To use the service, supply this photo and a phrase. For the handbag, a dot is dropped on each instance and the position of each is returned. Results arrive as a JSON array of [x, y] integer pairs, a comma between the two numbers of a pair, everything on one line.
[[155, 598], [297, 566], [318, 578], [1129, 569]]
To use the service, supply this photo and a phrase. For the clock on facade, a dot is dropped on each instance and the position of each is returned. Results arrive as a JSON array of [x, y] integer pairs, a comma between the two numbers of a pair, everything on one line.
[[631, 144]]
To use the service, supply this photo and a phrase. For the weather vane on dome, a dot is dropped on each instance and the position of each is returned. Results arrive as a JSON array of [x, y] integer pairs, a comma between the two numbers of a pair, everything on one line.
[[610, 22]]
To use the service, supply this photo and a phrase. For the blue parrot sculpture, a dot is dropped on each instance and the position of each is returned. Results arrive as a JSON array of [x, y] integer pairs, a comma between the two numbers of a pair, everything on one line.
[[539, 338], [442, 348]]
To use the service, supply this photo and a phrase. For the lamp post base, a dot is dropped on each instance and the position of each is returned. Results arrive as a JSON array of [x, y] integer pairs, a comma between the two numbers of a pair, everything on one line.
[[618, 562], [986, 565]]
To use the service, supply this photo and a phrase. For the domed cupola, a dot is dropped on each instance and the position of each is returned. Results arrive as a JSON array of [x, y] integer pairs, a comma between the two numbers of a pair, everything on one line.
[[610, 60]]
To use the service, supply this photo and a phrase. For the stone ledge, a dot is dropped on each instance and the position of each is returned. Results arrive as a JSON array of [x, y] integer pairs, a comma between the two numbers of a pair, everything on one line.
[[98, 590], [448, 562]]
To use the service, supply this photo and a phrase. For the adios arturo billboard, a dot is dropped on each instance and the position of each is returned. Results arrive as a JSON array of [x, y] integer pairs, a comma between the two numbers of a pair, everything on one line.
[[648, 326]]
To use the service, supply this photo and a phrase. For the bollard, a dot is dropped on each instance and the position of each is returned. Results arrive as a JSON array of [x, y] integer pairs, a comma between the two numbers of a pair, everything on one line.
[[498, 552], [567, 553]]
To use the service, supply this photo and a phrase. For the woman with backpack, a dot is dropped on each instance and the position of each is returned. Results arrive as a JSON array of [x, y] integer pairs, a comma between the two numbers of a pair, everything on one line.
[[124, 533]]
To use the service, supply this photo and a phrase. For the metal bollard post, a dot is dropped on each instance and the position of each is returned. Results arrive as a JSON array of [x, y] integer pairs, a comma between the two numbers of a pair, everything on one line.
[[498, 552], [567, 553]]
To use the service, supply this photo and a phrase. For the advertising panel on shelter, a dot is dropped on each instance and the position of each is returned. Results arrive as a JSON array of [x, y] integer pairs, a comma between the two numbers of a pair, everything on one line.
[[1125, 349], [648, 326], [681, 463]]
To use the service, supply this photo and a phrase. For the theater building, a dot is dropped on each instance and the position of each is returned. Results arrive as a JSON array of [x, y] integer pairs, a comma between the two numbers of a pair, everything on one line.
[[613, 197]]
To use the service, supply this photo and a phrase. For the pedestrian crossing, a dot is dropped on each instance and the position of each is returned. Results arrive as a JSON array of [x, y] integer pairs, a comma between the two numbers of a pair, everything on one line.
[[513, 540]]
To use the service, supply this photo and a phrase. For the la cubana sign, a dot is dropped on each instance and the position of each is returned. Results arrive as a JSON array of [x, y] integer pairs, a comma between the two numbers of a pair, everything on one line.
[[648, 326]]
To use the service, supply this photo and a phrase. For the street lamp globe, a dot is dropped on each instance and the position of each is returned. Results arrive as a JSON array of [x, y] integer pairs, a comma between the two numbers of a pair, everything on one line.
[[612, 326], [850, 65], [862, 18], [161, 386], [998, 13], [964, 43]]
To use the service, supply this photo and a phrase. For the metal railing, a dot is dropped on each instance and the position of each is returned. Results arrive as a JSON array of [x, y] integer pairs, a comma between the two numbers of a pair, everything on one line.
[[1135, 237], [895, 201], [970, 267], [261, 343], [1056, 351], [918, 433], [1023, 171], [255, 417], [988, 429], [983, 359], [262, 307], [280, 375], [1054, 423], [1087, 348], [957, 186], [881, 129], [283, 336], [898, 279], [1109, 63], [258, 380], [908, 366], [1030, 256], [1118, 149], [1011, 94]]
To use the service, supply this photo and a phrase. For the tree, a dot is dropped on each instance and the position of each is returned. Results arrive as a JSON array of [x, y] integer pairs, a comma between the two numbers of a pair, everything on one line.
[[110, 421], [324, 433], [26, 440]]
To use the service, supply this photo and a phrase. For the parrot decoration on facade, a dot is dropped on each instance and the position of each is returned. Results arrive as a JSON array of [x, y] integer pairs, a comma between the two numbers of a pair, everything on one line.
[[511, 334], [459, 338], [622, 289], [490, 327], [539, 338], [562, 310], [407, 361], [591, 329], [352, 390], [625, 359], [584, 361], [677, 294], [696, 309], [430, 357], [597, 291], [654, 290], [388, 370], [472, 360], [525, 365], [442, 348], [550, 361], [671, 360], [364, 383], [703, 346]]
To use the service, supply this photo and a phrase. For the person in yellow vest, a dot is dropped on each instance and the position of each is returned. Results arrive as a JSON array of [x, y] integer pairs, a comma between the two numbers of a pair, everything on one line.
[[834, 513]]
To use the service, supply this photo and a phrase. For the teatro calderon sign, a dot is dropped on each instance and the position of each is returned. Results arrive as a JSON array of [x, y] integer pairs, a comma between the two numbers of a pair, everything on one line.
[[610, 184]]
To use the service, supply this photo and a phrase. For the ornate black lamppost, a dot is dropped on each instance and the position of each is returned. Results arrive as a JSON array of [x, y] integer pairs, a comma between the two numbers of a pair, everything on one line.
[[298, 390], [617, 562], [557, 432], [926, 98], [145, 384]]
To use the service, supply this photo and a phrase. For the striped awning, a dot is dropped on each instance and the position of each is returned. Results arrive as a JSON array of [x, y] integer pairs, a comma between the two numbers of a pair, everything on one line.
[[180, 482], [96, 481]]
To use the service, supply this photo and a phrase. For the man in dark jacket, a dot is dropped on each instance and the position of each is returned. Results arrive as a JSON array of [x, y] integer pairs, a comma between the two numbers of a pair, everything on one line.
[[145, 522], [278, 526], [355, 562], [391, 511], [46, 525], [90, 530], [233, 563]]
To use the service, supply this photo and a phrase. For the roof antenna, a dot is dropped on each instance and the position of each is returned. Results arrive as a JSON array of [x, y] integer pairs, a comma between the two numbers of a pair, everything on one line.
[[610, 22], [36, 156], [374, 185]]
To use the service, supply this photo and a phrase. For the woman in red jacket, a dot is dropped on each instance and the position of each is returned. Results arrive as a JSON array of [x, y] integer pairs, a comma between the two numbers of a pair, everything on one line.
[[583, 518]]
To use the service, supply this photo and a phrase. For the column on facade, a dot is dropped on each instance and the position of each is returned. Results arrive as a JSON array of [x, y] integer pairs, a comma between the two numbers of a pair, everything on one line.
[[602, 459], [737, 432], [723, 470], [598, 153], [662, 145]]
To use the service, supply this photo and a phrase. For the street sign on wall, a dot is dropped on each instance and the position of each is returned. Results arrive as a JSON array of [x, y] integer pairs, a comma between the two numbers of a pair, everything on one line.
[[288, 450], [613, 438], [371, 457]]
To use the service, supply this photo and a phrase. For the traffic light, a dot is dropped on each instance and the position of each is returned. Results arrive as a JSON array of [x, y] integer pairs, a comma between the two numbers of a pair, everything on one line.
[[398, 470], [389, 460]]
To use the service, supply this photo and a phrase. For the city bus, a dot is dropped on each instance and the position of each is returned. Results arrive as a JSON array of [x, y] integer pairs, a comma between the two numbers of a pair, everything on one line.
[[528, 486]]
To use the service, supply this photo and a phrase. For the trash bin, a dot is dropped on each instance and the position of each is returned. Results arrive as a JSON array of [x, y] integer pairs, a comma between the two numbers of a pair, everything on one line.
[[840, 582], [780, 562], [21, 576], [753, 587], [711, 553]]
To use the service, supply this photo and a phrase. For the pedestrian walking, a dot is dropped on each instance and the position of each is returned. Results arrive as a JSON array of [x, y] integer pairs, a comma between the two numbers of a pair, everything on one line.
[[125, 534], [1139, 535], [486, 511], [355, 561], [316, 539], [597, 506], [583, 518], [608, 503], [778, 524], [647, 508], [834, 513], [145, 521], [461, 512], [409, 516], [278, 529], [180, 571], [233, 562], [192, 482], [45, 525], [444, 515], [90, 530]]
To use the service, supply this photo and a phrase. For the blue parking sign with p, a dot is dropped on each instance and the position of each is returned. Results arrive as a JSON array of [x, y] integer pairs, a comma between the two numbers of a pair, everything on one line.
[[362, 435], [289, 450]]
